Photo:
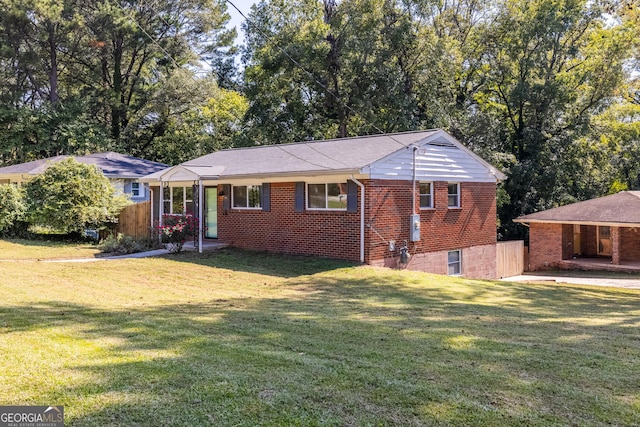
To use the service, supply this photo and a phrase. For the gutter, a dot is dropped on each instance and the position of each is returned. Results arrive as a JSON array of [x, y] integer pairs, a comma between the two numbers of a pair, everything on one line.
[[361, 185], [527, 222]]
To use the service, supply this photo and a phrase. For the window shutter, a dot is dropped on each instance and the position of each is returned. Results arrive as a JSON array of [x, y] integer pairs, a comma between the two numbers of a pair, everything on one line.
[[266, 197], [352, 197], [299, 195], [226, 191], [127, 187]]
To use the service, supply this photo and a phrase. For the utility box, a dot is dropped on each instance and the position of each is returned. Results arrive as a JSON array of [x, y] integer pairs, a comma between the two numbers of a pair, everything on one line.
[[414, 227]]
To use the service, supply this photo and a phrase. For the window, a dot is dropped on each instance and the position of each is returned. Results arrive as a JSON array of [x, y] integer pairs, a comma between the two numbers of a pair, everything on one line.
[[327, 196], [426, 195], [454, 261], [178, 200], [247, 196], [137, 190], [454, 195]]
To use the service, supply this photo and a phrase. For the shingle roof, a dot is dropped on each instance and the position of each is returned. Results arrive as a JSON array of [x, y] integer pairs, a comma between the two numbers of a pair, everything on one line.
[[346, 154], [113, 165], [620, 208]]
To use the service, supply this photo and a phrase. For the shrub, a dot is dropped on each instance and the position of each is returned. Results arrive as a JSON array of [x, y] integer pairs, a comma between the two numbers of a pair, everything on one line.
[[70, 196], [176, 229], [124, 245], [12, 207]]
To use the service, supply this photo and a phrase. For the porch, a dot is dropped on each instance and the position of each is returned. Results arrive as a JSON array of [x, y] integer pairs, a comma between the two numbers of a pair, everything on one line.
[[600, 264]]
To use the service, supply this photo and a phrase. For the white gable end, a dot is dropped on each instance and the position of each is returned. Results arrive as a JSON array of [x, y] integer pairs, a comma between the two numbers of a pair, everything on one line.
[[440, 158]]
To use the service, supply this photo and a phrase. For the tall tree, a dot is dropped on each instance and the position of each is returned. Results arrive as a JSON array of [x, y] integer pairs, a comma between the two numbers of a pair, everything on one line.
[[552, 65]]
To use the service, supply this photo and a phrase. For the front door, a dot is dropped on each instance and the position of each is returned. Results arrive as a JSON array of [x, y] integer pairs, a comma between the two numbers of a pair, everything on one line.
[[211, 212], [604, 241]]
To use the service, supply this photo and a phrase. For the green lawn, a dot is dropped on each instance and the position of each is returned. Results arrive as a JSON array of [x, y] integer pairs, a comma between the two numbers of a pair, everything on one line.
[[20, 249], [234, 338]]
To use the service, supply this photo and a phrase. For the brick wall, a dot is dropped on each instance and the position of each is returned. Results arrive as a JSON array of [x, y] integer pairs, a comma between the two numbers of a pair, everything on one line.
[[336, 234], [478, 262], [389, 207], [629, 244], [589, 237], [333, 234], [545, 246]]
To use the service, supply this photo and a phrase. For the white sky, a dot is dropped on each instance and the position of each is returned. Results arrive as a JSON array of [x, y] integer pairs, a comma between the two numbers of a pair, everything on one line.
[[236, 19]]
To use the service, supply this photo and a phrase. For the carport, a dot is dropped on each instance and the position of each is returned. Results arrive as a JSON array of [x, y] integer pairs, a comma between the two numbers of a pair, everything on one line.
[[601, 234]]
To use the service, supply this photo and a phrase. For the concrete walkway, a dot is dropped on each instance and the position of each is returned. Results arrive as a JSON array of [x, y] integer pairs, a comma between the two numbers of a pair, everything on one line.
[[188, 247], [595, 281]]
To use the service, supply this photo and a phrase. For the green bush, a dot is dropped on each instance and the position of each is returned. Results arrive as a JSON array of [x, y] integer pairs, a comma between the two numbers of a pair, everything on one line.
[[124, 245], [12, 207], [71, 197]]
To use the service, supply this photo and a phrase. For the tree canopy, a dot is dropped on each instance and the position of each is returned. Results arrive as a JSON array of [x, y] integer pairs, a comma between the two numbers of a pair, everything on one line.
[[548, 90], [71, 196]]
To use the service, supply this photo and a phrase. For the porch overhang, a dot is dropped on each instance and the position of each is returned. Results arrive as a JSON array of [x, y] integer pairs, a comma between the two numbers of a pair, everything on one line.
[[181, 173]]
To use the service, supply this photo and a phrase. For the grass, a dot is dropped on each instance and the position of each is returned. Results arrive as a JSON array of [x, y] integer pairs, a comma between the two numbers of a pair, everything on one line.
[[233, 338], [21, 249]]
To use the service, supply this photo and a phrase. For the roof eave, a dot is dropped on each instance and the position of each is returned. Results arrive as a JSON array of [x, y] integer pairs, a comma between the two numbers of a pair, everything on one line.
[[577, 222]]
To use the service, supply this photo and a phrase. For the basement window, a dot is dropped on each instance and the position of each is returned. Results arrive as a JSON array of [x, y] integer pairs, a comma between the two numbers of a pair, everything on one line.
[[454, 261]]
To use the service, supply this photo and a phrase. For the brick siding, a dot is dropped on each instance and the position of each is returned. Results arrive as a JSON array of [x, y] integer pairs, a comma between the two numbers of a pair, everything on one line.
[[545, 246], [629, 244], [336, 234], [442, 228], [332, 234]]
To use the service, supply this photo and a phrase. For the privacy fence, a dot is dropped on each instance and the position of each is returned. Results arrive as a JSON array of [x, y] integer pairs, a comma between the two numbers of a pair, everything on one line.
[[135, 220], [510, 258]]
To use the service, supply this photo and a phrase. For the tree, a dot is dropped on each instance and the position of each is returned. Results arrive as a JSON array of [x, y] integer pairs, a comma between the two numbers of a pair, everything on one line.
[[70, 197], [12, 206], [70, 68], [187, 117], [552, 65]]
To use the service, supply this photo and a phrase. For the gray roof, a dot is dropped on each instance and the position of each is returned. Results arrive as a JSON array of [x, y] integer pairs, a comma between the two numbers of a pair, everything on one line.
[[113, 165], [619, 209], [344, 154]]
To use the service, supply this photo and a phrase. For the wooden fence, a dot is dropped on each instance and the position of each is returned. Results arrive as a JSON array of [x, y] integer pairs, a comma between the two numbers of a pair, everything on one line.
[[135, 220], [510, 258]]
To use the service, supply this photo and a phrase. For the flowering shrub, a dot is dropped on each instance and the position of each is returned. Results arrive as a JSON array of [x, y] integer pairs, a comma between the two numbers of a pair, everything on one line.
[[176, 229]]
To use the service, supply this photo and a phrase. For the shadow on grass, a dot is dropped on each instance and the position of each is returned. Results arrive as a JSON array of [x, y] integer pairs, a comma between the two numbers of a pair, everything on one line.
[[355, 351], [285, 266]]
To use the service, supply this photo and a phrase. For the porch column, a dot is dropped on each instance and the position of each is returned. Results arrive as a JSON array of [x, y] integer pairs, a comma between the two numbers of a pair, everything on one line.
[[200, 214], [615, 245]]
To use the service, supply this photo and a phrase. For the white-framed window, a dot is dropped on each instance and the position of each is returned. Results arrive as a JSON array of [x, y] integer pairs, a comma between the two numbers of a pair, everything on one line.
[[178, 200], [453, 190], [137, 190], [331, 196], [426, 195], [454, 263], [246, 196]]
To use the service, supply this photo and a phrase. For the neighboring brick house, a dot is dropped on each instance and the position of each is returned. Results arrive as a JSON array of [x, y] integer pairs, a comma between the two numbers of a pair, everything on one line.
[[308, 198], [604, 229], [123, 171]]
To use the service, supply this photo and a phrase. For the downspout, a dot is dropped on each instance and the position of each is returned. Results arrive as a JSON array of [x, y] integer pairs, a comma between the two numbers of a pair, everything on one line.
[[200, 214], [361, 185]]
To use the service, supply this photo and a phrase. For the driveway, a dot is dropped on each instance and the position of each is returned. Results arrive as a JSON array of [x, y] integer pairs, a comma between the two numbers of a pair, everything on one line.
[[630, 283]]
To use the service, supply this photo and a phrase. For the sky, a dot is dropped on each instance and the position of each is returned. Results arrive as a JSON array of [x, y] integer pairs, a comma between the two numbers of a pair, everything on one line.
[[236, 19]]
